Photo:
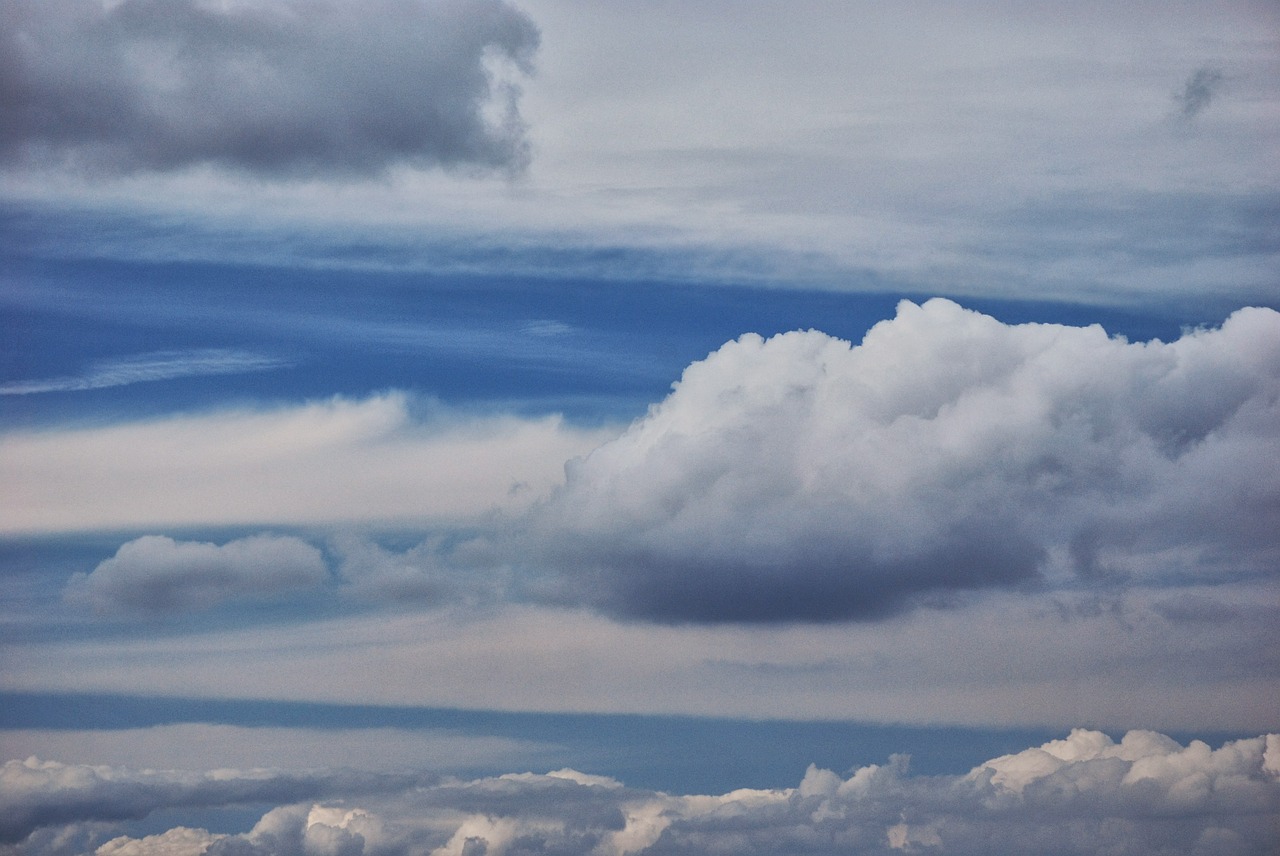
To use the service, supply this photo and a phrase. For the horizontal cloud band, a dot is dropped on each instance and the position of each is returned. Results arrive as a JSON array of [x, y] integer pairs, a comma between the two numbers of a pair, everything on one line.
[[1082, 794], [802, 477]]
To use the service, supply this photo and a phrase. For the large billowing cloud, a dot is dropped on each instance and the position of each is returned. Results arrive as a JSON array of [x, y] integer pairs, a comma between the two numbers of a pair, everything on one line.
[[1083, 794], [155, 573], [804, 478], [280, 86]]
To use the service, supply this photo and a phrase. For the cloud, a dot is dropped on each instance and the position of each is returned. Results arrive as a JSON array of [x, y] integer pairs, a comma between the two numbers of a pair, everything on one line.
[[376, 459], [804, 478], [438, 570], [158, 574], [200, 745], [1082, 794], [35, 793], [271, 87], [141, 368], [1198, 92]]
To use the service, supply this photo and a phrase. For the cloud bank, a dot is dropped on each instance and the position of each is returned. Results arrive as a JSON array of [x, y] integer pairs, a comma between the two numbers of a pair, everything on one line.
[[805, 478], [1082, 794], [272, 87], [36, 794], [158, 574]]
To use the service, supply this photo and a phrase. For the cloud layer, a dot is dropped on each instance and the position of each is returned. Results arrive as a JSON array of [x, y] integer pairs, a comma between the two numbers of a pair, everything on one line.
[[804, 478], [272, 87], [1082, 794]]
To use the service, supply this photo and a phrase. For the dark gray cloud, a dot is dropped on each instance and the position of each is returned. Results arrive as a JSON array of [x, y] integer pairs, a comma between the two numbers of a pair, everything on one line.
[[279, 86], [805, 478], [1083, 794], [1198, 91]]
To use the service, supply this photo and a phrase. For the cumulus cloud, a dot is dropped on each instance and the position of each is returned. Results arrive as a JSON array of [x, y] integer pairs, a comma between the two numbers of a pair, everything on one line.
[[179, 841], [802, 477], [158, 574], [273, 87], [36, 793], [1080, 795]]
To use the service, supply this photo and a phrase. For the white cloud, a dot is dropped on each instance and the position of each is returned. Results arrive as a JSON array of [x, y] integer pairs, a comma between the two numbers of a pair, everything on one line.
[[158, 574], [179, 841], [142, 368], [803, 477], [337, 460], [1145, 794]]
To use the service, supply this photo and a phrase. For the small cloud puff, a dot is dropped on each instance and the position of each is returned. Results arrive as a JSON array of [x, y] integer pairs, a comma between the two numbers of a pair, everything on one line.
[[1198, 92], [806, 478], [156, 574], [1081, 795]]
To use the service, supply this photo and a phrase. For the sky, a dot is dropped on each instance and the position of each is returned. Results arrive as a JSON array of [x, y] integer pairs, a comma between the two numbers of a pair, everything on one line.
[[521, 426]]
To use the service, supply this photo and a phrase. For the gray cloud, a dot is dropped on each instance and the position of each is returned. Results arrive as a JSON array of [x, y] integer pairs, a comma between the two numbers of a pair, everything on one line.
[[1083, 794], [274, 87], [158, 574], [804, 478], [1198, 92]]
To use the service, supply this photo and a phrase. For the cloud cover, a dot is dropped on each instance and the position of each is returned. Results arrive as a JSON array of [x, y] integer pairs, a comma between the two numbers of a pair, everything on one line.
[[327, 87], [804, 478], [1082, 794]]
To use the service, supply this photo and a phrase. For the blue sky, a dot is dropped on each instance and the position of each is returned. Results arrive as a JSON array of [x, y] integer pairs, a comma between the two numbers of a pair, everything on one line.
[[401, 397]]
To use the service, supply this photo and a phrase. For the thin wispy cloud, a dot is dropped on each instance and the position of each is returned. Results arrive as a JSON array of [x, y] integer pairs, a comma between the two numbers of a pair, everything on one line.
[[151, 367]]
